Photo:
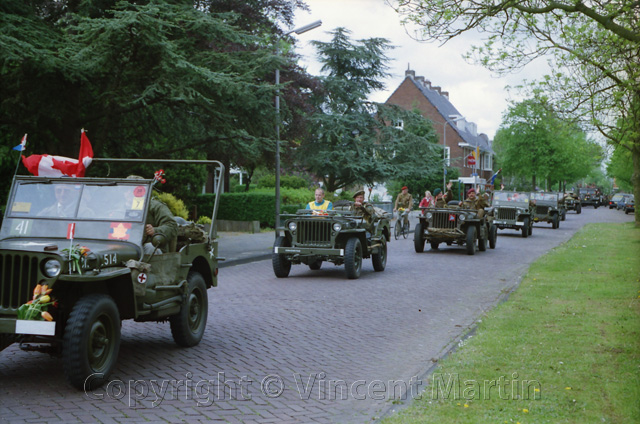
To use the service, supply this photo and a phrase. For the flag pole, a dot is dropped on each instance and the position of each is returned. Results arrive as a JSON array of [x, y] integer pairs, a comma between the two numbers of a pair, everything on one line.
[[23, 144]]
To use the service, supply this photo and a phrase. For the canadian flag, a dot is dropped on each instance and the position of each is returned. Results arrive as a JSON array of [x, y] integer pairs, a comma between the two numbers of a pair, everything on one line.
[[58, 166]]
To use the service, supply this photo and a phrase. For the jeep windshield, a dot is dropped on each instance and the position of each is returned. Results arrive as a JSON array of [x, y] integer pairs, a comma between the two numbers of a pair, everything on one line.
[[510, 196], [101, 210], [552, 197]]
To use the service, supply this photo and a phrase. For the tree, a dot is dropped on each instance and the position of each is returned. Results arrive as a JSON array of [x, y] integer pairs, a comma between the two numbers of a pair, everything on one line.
[[594, 49], [351, 140], [533, 142], [620, 167]]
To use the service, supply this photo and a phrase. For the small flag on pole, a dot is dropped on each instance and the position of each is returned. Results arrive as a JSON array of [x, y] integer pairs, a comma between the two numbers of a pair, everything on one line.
[[23, 144], [71, 229]]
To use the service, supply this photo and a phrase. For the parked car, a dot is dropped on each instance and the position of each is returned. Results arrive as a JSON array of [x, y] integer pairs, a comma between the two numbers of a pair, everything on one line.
[[512, 209], [613, 202], [629, 204], [68, 280], [621, 202]]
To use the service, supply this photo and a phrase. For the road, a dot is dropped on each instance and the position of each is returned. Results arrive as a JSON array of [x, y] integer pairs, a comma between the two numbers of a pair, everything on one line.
[[314, 347]]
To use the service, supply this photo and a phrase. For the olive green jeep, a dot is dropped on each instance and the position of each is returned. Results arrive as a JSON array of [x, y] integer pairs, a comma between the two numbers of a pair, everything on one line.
[[454, 225], [514, 210], [572, 203], [339, 236], [547, 208], [69, 276]]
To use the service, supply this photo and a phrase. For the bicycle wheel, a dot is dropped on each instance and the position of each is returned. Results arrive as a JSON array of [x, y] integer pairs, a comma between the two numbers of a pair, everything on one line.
[[396, 232], [405, 228]]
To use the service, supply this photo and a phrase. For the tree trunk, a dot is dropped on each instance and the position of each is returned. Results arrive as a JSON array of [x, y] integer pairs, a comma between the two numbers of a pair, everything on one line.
[[533, 181], [635, 178]]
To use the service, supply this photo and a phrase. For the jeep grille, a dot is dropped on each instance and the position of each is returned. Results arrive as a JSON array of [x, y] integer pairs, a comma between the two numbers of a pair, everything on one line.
[[443, 220], [18, 278], [507, 213], [542, 210], [314, 233]]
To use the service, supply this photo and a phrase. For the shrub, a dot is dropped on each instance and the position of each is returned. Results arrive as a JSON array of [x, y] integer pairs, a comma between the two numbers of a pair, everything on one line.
[[175, 205], [288, 181]]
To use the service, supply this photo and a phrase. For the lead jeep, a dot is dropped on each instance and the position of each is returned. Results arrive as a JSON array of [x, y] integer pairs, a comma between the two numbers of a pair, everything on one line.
[[454, 225], [66, 282], [338, 236], [512, 209], [547, 208]]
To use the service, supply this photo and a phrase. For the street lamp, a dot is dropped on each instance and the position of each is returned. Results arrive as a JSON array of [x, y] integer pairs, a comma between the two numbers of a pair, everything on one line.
[[444, 146], [298, 31]]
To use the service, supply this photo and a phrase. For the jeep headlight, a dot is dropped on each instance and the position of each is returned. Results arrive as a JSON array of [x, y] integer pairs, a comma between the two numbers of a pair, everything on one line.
[[429, 215], [337, 227], [293, 226], [51, 268], [462, 217]]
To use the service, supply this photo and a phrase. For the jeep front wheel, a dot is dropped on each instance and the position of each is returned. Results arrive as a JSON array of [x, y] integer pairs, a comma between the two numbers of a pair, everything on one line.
[[418, 238], [471, 240], [525, 227], [579, 209], [353, 258], [281, 265], [91, 341], [493, 236], [555, 222], [380, 259], [187, 326]]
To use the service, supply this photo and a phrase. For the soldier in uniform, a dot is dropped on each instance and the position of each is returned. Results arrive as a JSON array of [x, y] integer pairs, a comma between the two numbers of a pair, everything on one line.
[[405, 201], [474, 202], [364, 209], [319, 203], [443, 201]]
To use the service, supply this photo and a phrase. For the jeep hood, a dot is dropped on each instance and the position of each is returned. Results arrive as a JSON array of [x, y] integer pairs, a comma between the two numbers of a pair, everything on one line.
[[123, 250]]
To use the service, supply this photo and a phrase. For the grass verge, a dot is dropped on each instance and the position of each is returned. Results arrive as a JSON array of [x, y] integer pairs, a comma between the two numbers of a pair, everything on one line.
[[565, 347]]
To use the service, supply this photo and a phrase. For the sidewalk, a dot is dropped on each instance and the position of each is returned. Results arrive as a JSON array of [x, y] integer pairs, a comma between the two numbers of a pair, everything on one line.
[[241, 248]]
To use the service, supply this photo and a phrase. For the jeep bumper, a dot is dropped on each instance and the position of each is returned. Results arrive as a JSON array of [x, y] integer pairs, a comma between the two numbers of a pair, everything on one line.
[[308, 251], [22, 326]]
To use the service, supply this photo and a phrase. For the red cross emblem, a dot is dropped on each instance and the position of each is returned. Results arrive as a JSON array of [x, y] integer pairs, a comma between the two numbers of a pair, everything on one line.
[[142, 278]]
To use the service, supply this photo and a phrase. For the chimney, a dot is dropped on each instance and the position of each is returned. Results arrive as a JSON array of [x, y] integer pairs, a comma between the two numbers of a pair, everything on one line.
[[445, 94], [437, 89], [427, 84], [420, 81], [409, 73]]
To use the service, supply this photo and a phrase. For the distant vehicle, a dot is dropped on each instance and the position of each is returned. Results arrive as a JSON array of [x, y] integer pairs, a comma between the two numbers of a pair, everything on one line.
[[629, 204], [547, 208], [620, 203], [613, 202], [590, 196]]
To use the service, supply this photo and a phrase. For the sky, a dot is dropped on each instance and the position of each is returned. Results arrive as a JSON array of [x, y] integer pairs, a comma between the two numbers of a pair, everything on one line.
[[478, 96]]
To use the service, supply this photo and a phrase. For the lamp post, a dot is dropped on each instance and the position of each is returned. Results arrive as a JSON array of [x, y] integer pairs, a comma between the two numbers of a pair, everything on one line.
[[298, 31], [444, 146]]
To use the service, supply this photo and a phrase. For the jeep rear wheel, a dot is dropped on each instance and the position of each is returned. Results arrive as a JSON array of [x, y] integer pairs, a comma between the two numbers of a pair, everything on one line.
[[418, 238], [281, 265], [353, 258], [525, 227], [380, 259], [91, 341], [187, 326], [471, 240], [493, 236]]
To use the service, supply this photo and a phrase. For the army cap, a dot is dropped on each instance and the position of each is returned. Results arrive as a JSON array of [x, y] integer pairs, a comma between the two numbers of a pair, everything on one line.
[[437, 191], [358, 193]]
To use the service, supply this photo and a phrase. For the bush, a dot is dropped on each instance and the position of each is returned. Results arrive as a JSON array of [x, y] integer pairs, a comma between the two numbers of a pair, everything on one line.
[[175, 205]]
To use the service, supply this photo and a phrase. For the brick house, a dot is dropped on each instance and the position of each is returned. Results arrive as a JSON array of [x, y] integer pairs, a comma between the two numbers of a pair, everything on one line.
[[462, 138]]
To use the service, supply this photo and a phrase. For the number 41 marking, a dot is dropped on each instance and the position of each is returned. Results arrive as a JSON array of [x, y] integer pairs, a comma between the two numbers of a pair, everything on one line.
[[22, 228]]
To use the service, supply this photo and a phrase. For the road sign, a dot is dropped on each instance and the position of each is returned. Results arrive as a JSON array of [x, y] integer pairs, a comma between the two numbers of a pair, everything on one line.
[[471, 160]]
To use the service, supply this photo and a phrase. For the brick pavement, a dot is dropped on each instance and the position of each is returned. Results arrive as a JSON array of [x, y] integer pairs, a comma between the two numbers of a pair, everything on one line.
[[278, 350]]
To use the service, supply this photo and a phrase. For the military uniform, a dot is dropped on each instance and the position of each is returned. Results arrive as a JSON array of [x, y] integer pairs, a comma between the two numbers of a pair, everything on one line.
[[162, 221], [366, 210], [444, 201], [404, 200]]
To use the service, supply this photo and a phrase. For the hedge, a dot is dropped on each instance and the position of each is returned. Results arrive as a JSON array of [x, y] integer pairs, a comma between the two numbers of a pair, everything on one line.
[[250, 206]]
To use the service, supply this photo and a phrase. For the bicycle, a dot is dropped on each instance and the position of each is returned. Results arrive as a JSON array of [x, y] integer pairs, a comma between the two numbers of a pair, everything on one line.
[[402, 224]]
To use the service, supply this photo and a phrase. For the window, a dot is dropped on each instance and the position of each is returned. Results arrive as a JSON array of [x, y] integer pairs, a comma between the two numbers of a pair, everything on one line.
[[399, 124], [487, 162]]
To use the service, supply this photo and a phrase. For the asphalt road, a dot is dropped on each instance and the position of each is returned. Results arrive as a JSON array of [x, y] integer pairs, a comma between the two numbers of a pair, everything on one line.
[[314, 347]]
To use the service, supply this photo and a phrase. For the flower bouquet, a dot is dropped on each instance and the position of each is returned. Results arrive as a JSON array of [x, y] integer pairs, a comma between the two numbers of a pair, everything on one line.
[[37, 308], [75, 254]]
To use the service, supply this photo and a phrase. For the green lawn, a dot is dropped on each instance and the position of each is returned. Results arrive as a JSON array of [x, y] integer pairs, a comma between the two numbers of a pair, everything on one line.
[[564, 348]]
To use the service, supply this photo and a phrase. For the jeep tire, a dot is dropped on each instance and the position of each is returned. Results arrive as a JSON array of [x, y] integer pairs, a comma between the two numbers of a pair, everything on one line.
[[555, 221], [188, 325], [471, 240], [482, 242], [418, 238], [281, 265], [493, 236], [525, 227], [91, 341], [579, 209], [380, 259], [353, 258]]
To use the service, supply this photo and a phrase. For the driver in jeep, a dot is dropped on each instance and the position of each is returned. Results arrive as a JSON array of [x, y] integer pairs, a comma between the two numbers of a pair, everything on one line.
[[474, 202]]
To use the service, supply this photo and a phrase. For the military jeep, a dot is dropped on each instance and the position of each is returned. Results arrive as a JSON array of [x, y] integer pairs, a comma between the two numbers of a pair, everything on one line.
[[67, 280], [547, 208], [454, 225], [572, 203], [339, 236], [590, 196], [512, 209]]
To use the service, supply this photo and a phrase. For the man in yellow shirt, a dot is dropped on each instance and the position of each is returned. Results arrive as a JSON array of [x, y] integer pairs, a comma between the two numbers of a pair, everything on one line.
[[320, 203]]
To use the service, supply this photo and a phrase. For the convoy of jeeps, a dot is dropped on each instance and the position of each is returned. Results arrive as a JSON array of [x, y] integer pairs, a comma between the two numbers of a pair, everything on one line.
[[70, 274]]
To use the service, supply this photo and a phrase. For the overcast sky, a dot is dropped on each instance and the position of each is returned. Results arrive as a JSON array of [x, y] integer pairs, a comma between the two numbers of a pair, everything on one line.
[[478, 96]]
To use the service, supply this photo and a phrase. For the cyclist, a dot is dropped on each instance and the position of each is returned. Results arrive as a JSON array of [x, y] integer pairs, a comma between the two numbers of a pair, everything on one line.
[[404, 201]]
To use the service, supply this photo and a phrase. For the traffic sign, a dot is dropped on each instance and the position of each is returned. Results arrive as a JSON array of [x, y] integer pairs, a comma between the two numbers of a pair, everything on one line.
[[471, 160]]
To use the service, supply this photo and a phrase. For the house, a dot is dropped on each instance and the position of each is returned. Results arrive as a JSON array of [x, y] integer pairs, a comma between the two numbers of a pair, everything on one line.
[[465, 149]]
